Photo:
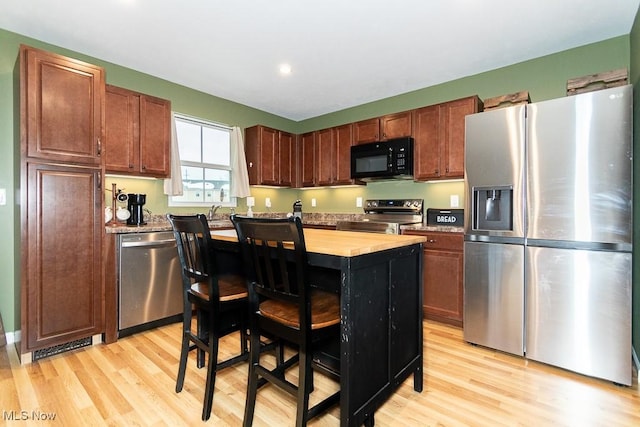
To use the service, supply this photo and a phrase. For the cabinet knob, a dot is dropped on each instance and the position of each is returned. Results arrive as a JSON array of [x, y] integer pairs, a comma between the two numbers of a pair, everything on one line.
[[250, 164], [144, 167], [99, 147], [431, 241]]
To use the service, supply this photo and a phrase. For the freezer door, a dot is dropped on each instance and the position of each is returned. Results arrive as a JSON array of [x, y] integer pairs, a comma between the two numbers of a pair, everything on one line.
[[494, 173], [494, 296], [579, 158], [579, 311]]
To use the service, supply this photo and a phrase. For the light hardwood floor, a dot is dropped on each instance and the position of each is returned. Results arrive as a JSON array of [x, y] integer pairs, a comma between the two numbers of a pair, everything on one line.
[[132, 382]]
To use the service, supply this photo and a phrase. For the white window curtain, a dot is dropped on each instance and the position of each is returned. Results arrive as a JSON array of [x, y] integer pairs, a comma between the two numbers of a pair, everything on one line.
[[173, 185], [240, 178]]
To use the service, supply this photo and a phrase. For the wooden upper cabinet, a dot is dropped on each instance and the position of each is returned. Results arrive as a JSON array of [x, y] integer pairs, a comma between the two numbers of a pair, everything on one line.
[[62, 101], [439, 138], [138, 133], [396, 125], [306, 159], [155, 136], [343, 143], [287, 159], [426, 147], [121, 135], [325, 148], [391, 126], [366, 131], [271, 156]]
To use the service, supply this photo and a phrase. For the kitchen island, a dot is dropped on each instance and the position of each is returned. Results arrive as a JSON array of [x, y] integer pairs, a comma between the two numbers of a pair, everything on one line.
[[379, 279]]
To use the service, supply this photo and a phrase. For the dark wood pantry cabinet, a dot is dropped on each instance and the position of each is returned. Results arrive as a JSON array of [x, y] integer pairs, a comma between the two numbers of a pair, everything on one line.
[[138, 133], [438, 132], [61, 110]]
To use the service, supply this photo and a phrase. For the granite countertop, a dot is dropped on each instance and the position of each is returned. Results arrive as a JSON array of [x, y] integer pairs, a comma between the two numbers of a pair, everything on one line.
[[221, 221]]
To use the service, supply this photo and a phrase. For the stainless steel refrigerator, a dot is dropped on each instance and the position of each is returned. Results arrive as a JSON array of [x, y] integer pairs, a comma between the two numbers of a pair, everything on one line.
[[548, 232]]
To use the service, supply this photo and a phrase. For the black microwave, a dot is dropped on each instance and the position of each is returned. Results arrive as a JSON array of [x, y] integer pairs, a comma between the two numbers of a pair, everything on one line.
[[383, 159]]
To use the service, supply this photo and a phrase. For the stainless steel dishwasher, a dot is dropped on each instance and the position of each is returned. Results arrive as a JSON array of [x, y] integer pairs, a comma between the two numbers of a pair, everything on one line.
[[149, 281]]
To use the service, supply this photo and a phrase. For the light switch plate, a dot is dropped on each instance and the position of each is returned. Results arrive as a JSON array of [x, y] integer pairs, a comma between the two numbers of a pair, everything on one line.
[[3, 196], [313, 203], [455, 201], [358, 202], [267, 202]]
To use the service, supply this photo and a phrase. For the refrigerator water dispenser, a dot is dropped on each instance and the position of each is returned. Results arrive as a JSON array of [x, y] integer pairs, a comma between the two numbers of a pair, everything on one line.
[[493, 208]]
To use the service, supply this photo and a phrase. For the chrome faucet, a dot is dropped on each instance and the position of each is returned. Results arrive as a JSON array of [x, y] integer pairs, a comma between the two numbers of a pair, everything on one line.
[[213, 210]]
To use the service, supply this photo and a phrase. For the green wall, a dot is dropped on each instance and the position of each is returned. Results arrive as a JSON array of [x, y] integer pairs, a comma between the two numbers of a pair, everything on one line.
[[544, 78]]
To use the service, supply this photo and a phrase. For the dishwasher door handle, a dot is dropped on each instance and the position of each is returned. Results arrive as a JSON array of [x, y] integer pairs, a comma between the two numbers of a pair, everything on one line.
[[150, 244]]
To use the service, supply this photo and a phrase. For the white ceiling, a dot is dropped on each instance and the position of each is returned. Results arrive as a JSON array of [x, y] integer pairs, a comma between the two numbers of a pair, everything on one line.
[[342, 52]]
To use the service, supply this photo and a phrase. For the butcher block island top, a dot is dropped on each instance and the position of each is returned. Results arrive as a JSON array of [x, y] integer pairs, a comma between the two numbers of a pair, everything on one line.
[[341, 243]]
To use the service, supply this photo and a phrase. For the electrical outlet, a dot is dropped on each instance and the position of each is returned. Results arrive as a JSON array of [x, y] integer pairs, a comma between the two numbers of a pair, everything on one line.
[[358, 202], [313, 203], [3, 196], [455, 201], [267, 202]]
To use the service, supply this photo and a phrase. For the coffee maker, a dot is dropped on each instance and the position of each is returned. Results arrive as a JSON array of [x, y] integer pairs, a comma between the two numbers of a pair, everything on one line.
[[135, 202]]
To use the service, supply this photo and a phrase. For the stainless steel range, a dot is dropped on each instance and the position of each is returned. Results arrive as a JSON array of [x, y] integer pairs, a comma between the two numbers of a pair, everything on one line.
[[386, 216]]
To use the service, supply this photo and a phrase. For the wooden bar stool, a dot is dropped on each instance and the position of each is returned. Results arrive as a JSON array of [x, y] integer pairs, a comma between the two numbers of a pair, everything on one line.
[[220, 303], [283, 304]]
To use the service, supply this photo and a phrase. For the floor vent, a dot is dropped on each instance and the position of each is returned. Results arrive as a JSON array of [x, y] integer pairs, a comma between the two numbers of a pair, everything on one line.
[[57, 349]]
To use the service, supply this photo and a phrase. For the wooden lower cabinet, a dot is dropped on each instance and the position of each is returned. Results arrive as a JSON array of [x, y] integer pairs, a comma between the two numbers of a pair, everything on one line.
[[443, 268], [62, 230]]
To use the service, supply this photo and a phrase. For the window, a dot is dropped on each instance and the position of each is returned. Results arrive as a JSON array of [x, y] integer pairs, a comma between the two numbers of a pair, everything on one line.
[[205, 156]]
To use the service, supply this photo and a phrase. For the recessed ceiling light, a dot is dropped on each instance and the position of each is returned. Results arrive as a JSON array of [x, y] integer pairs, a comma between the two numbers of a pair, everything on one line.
[[285, 69]]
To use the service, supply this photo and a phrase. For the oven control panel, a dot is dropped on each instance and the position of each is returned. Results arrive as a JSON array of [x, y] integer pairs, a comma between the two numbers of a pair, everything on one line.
[[394, 206]]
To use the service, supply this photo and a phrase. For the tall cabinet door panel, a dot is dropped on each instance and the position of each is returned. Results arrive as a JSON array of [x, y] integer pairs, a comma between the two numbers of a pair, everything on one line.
[[307, 159], [64, 225], [344, 141], [122, 151], [62, 107], [453, 117], [426, 122], [155, 136], [325, 156], [287, 159]]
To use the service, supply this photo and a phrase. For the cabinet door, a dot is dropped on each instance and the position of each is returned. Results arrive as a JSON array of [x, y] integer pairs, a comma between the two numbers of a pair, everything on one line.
[[121, 148], [155, 136], [62, 103], [287, 159], [343, 142], [62, 285], [366, 131], [307, 160], [443, 290], [426, 134], [396, 125], [263, 152], [453, 125], [325, 156]]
